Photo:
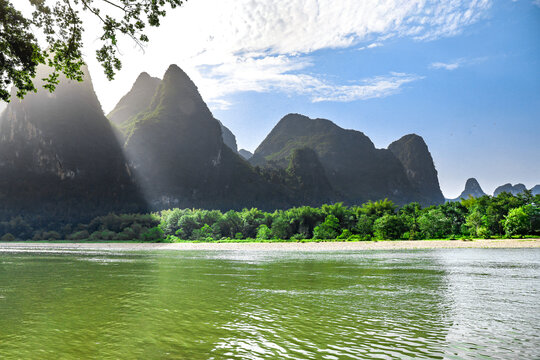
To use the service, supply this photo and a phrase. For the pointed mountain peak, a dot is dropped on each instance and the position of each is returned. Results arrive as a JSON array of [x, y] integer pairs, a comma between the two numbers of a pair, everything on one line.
[[472, 186], [178, 92], [472, 183], [175, 74], [136, 100], [144, 78]]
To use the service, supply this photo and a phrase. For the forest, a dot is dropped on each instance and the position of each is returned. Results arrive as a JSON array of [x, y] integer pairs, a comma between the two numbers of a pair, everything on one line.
[[505, 215]]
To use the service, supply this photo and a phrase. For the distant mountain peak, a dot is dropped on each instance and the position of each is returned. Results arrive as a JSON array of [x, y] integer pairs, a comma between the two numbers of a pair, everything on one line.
[[472, 185], [472, 188], [509, 188]]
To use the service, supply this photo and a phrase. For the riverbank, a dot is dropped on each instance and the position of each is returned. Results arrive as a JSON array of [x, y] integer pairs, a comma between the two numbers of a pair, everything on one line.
[[284, 246]]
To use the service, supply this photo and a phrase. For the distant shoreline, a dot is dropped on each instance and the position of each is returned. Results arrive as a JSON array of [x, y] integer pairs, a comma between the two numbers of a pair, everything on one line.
[[276, 246]]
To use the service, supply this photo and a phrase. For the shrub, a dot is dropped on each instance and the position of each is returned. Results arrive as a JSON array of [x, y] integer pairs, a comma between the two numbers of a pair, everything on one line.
[[328, 229], [434, 224], [51, 235], [203, 234], [389, 227], [517, 222], [153, 234], [345, 235], [484, 232], [8, 237], [364, 226], [79, 235], [264, 233]]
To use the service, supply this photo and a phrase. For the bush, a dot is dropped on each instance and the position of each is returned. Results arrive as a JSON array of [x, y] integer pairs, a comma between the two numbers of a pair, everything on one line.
[[345, 235], [79, 235], [153, 234], [434, 224], [8, 237], [203, 234], [389, 227], [264, 233], [328, 229], [51, 235], [484, 232], [364, 226], [517, 222]]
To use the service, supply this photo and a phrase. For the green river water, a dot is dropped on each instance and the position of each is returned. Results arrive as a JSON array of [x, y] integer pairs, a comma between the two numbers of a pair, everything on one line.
[[423, 304]]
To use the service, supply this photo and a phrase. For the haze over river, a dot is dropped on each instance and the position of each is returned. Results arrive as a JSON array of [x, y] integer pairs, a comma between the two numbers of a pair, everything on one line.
[[444, 303]]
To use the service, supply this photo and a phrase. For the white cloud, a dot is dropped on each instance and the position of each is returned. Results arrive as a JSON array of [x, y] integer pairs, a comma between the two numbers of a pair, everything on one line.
[[376, 87], [453, 65], [446, 66], [536, 2], [371, 46], [274, 74], [228, 46]]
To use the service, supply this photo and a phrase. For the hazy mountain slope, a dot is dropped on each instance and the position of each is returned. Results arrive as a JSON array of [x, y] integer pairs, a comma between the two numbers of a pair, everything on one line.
[[414, 155], [228, 137], [245, 154], [139, 98], [58, 152], [136, 100], [179, 156], [354, 167]]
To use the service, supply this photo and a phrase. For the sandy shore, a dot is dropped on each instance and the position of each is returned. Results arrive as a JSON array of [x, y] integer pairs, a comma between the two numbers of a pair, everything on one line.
[[289, 246]]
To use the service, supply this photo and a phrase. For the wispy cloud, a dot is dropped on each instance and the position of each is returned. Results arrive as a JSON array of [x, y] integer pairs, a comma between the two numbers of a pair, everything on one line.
[[279, 74], [371, 46], [245, 45], [446, 66], [376, 87], [453, 65]]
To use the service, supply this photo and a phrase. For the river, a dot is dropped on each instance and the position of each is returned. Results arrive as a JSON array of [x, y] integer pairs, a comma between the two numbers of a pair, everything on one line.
[[420, 304]]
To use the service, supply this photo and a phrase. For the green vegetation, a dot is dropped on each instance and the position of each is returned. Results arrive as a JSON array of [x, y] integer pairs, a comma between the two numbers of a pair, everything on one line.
[[485, 217], [61, 25]]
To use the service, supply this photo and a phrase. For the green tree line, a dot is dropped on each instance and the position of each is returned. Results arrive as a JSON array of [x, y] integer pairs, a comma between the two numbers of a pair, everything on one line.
[[504, 215]]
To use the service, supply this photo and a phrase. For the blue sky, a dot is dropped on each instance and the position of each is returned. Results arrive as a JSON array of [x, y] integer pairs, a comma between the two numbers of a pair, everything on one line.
[[463, 74], [476, 101]]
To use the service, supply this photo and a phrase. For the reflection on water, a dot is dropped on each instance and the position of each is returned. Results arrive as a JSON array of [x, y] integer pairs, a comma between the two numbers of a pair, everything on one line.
[[455, 304]]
